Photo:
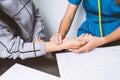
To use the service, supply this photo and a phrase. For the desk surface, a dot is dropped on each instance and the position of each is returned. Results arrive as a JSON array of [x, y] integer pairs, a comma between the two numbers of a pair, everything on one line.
[[42, 63]]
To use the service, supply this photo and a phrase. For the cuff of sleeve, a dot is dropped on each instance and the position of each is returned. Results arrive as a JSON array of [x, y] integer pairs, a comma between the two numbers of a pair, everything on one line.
[[74, 2], [41, 47]]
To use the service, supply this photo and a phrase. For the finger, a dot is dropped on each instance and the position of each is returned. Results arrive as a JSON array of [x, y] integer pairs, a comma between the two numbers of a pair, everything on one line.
[[81, 36], [60, 40], [74, 50], [90, 35], [85, 48], [78, 44], [56, 40], [81, 48], [84, 42], [86, 34], [51, 39]]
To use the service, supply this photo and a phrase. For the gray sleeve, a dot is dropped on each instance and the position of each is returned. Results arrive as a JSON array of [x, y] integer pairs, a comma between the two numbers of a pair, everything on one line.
[[15, 47], [38, 25]]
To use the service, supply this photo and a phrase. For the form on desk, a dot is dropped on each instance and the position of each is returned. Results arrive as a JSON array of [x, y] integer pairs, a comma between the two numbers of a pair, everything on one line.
[[98, 64], [20, 72]]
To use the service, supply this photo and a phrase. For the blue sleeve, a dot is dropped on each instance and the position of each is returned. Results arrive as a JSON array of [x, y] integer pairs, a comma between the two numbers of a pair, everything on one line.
[[75, 2]]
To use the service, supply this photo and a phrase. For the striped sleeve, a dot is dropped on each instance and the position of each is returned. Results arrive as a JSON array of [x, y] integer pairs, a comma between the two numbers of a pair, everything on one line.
[[38, 32], [14, 47]]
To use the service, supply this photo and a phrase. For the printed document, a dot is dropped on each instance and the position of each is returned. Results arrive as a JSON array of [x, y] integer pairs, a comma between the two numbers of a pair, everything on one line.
[[98, 64], [20, 72]]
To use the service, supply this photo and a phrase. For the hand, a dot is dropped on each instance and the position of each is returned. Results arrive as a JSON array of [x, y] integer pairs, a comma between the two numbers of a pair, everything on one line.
[[74, 43], [68, 43], [93, 42], [57, 38]]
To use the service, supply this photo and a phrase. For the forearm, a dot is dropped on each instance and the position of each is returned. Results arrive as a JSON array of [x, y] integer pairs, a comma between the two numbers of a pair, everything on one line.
[[67, 19], [64, 26], [114, 36]]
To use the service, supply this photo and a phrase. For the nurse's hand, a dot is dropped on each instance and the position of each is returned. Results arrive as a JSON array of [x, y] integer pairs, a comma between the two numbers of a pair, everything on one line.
[[73, 43], [57, 39], [93, 42]]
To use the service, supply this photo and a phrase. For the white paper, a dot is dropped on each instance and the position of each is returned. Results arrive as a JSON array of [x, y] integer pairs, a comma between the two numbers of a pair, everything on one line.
[[102, 72], [20, 72], [98, 64]]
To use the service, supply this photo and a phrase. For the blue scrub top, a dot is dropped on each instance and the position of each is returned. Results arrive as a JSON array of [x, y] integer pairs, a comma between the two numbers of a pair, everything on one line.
[[110, 16]]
